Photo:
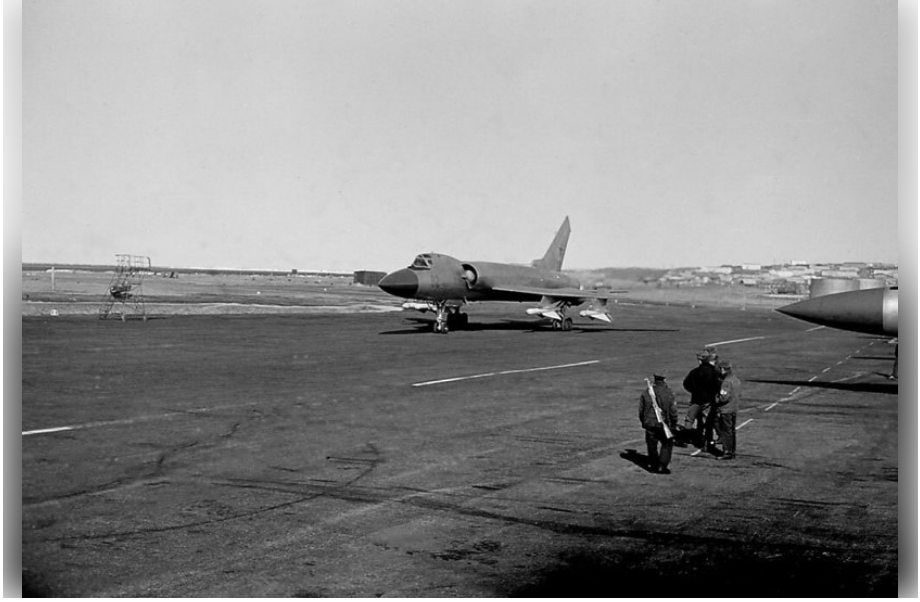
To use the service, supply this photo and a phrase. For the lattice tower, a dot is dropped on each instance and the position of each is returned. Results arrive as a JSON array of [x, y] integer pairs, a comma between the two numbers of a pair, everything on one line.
[[125, 295]]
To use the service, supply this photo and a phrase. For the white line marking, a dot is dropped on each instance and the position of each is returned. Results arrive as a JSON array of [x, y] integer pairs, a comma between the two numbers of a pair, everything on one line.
[[735, 341], [846, 378], [825, 370], [127, 421], [814, 329], [630, 442], [748, 421], [54, 430], [790, 397], [502, 373], [775, 404]]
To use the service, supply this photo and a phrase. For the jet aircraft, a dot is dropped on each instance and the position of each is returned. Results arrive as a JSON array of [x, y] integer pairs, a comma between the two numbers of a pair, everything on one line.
[[872, 311], [443, 284]]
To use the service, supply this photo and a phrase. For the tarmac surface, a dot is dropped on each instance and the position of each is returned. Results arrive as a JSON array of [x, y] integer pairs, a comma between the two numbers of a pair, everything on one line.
[[362, 455]]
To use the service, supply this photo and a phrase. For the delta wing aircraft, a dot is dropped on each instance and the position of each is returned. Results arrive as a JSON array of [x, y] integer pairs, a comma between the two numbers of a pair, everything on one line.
[[443, 284]]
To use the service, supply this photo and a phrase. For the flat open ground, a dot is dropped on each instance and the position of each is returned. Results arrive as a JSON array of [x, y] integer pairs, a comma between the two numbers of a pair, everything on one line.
[[293, 455]]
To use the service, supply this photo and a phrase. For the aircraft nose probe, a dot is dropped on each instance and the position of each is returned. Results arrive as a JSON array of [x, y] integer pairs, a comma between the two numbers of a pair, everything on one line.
[[401, 283]]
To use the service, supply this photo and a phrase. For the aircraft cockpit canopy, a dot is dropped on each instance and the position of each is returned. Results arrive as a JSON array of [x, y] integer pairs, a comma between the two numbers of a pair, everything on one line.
[[422, 262]]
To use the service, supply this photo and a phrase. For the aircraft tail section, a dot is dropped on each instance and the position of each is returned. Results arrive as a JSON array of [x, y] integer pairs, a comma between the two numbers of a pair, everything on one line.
[[552, 260]]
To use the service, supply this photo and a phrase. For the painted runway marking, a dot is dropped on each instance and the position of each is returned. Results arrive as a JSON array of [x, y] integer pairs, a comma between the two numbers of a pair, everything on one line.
[[735, 341], [630, 442], [814, 329], [53, 430], [791, 396], [502, 373], [748, 421], [846, 378], [128, 421]]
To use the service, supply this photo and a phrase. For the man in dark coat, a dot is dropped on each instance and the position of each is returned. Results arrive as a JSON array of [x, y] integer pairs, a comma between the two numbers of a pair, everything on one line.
[[703, 384], [654, 428], [726, 409]]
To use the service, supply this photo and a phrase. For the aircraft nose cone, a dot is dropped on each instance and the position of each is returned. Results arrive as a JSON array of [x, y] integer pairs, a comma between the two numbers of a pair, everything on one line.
[[402, 283], [803, 310], [860, 311]]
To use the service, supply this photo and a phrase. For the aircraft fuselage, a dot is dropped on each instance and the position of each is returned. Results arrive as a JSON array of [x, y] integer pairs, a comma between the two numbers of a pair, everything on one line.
[[438, 277]]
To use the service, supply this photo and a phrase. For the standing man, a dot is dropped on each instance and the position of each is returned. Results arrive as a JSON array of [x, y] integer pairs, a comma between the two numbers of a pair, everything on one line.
[[726, 409], [703, 385], [657, 409], [894, 371]]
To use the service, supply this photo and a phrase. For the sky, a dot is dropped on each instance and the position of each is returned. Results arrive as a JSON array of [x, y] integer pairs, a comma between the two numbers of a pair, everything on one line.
[[347, 135]]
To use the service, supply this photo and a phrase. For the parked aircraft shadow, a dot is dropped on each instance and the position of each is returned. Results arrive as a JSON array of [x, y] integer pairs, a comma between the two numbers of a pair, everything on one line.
[[888, 388], [770, 570], [642, 329], [883, 358], [426, 326], [423, 325]]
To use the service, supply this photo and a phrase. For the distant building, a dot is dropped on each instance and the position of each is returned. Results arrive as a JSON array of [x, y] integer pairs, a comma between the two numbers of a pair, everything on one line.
[[368, 277], [724, 269], [841, 272]]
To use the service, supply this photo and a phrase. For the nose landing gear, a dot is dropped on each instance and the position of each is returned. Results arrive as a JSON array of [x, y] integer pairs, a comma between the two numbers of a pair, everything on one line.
[[449, 318]]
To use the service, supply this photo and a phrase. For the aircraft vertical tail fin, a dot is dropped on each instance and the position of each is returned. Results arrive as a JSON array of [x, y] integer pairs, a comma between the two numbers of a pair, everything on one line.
[[552, 260]]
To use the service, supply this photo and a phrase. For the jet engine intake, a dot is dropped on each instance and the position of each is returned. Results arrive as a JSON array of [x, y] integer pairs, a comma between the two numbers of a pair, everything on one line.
[[470, 275]]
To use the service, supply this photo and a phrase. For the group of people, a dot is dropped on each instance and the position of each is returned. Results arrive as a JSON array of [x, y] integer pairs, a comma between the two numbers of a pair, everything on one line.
[[715, 393]]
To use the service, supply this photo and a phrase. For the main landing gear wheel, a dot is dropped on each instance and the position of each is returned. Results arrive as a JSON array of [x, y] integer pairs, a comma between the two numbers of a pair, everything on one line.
[[563, 322]]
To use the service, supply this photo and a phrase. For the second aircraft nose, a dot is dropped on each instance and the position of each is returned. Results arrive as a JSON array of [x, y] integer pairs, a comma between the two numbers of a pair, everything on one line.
[[402, 283]]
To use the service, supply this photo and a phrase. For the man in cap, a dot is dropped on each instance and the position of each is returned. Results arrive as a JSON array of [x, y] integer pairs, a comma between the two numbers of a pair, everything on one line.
[[703, 385], [726, 409], [660, 395]]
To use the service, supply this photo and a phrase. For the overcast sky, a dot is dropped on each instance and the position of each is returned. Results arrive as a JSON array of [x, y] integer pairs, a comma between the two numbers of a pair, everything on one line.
[[353, 135]]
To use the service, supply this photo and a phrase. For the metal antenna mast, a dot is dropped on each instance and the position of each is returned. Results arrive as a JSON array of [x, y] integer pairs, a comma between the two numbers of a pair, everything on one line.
[[125, 288]]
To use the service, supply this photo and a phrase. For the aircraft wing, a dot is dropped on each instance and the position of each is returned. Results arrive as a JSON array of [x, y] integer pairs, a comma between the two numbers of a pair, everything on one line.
[[555, 294], [553, 302]]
